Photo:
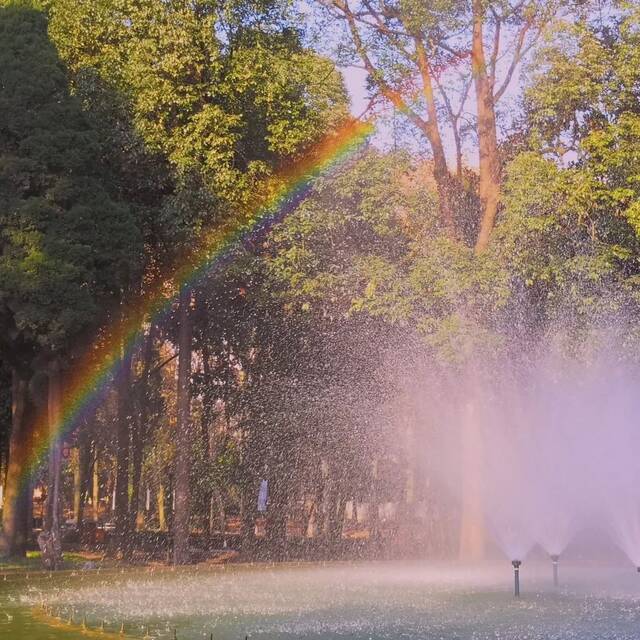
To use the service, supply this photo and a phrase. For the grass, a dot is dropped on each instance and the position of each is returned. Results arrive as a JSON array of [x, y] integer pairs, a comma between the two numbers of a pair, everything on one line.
[[71, 560]]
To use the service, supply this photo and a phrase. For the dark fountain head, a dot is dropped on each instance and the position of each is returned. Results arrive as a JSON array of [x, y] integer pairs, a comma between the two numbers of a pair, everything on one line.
[[638, 568], [516, 577]]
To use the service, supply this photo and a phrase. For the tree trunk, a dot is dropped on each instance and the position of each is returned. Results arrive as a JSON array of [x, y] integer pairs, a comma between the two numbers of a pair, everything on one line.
[[183, 436], [136, 471], [311, 521], [211, 520], [334, 504], [95, 486], [123, 437], [54, 507], [222, 514], [322, 497], [489, 165], [77, 483], [143, 511], [27, 504], [248, 502], [15, 512], [277, 515], [84, 467], [411, 447], [443, 183], [140, 429], [162, 519], [431, 130], [335, 523], [373, 514]]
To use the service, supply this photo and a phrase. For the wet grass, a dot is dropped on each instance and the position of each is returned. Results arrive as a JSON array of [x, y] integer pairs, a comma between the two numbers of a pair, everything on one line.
[[71, 560], [317, 602]]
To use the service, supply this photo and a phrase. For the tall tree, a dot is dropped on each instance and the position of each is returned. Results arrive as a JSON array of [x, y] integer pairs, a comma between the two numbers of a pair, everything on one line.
[[66, 246], [573, 247], [223, 92], [425, 59], [184, 435]]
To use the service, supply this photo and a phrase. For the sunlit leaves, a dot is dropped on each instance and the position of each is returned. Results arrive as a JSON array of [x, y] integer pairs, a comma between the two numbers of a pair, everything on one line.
[[66, 245]]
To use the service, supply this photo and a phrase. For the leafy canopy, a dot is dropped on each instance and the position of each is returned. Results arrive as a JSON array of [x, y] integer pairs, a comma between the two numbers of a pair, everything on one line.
[[66, 246]]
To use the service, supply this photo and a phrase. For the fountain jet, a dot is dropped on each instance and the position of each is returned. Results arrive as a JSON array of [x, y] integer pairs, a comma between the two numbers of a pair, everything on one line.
[[516, 577], [554, 559]]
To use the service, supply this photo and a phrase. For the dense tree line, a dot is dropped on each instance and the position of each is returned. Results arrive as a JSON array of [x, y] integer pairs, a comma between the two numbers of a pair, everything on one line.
[[129, 130]]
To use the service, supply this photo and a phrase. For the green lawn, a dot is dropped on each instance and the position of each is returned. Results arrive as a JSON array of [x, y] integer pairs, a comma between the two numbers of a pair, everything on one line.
[[71, 560]]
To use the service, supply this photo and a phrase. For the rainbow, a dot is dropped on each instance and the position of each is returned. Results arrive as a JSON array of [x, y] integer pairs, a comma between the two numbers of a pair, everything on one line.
[[86, 387]]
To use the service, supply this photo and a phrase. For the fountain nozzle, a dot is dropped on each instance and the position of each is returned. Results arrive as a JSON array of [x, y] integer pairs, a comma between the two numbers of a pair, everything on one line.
[[516, 577], [638, 568]]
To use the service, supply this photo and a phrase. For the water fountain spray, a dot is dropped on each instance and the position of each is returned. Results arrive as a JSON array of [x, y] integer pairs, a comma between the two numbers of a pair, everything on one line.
[[554, 559], [516, 577]]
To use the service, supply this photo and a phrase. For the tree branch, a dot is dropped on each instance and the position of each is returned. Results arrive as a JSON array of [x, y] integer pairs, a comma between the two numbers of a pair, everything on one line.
[[519, 52], [386, 89], [496, 47]]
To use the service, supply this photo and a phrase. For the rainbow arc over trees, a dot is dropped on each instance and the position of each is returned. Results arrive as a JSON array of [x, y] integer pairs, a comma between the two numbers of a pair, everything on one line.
[[84, 389]]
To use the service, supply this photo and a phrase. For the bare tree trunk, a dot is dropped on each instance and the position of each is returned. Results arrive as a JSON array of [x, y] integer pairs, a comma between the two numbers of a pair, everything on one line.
[[334, 504], [277, 515], [431, 130], [489, 188], [15, 533], [322, 497], [248, 511], [222, 514], [183, 436], [335, 523], [84, 467], [95, 489], [458, 145], [162, 518], [139, 430], [374, 506], [122, 457], [142, 510], [54, 506], [77, 483], [428, 126], [443, 180], [311, 521], [136, 472], [211, 520], [408, 506]]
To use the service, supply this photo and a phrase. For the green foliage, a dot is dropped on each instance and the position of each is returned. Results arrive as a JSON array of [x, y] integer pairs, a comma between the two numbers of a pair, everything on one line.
[[368, 241], [338, 248], [66, 246], [583, 100], [574, 243], [223, 91]]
